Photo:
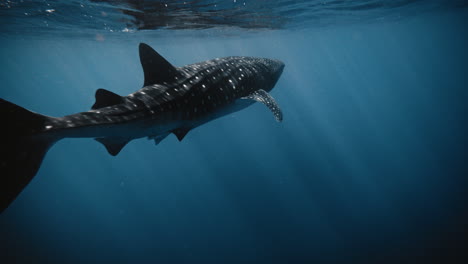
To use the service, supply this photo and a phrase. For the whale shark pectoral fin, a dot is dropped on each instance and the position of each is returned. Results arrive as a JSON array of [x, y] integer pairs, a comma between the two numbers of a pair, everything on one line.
[[106, 98], [155, 68], [181, 132], [265, 98], [113, 144]]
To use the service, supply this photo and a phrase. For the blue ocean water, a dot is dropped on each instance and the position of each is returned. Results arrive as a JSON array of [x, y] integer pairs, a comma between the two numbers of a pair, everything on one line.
[[369, 165]]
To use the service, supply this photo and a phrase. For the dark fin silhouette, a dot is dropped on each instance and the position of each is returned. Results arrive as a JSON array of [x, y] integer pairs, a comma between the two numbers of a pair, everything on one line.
[[181, 132], [158, 138], [106, 98], [22, 149], [155, 68], [113, 144]]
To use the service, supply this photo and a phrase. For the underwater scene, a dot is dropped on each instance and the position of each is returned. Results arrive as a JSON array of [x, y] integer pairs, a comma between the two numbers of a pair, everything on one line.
[[234, 131]]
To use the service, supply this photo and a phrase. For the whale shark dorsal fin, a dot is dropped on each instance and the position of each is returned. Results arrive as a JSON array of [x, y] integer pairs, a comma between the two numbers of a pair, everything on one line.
[[155, 68], [113, 144], [265, 98], [106, 98]]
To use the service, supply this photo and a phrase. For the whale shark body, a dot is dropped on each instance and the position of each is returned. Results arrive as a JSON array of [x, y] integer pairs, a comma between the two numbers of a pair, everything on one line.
[[172, 100]]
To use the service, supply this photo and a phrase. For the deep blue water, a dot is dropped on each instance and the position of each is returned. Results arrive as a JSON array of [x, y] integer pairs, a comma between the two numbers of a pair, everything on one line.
[[369, 165]]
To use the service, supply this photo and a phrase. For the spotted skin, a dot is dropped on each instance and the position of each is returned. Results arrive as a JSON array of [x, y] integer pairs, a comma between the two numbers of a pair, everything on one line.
[[198, 93], [172, 100], [269, 101]]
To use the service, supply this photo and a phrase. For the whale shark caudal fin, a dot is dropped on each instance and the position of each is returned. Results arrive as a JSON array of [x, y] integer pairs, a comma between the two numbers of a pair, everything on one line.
[[21, 151]]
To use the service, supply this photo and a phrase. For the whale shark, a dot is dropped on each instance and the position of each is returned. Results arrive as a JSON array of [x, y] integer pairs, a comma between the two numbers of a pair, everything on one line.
[[173, 100]]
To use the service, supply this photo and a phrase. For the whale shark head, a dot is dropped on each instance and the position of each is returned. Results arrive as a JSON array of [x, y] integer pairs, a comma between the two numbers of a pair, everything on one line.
[[272, 71], [209, 88], [236, 76]]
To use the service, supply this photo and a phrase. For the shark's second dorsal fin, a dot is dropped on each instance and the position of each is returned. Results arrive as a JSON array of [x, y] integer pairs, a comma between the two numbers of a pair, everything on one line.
[[155, 68], [106, 98], [113, 144]]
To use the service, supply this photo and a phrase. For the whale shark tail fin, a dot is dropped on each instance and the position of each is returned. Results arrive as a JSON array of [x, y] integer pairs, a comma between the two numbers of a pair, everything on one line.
[[21, 149]]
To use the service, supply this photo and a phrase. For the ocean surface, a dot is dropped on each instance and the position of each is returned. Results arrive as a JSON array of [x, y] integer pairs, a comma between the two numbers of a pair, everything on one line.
[[369, 165]]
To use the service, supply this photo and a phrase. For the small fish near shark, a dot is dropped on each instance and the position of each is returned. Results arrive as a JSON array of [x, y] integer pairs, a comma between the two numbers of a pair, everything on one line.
[[172, 100]]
